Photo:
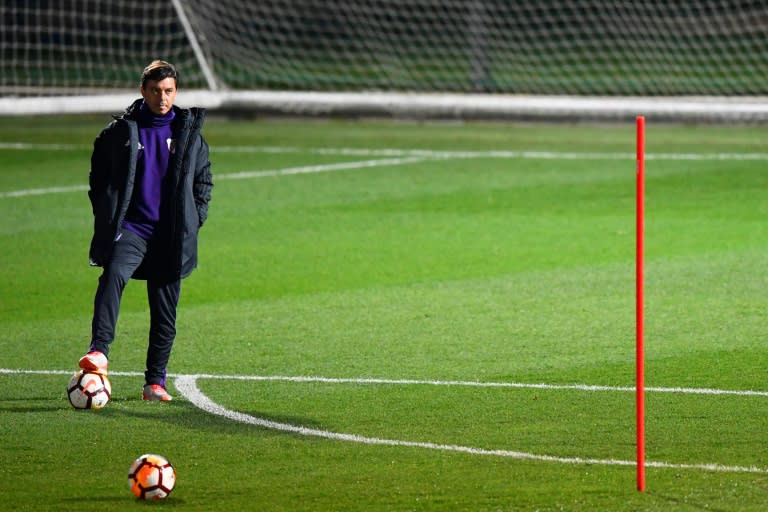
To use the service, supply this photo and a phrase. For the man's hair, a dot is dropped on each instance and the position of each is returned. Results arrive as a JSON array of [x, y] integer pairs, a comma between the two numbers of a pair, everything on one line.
[[158, 70]]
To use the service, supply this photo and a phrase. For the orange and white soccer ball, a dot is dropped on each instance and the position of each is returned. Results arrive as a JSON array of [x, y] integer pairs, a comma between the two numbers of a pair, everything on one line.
[[89, 390], [151, 477]]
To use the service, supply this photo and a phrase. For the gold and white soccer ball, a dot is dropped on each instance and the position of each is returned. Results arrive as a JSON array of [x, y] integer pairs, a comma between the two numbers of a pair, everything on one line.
[[151, 477]]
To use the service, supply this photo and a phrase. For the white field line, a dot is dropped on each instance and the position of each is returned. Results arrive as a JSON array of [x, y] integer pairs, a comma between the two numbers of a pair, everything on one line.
[[510, 154], [512, 385], [307, 169], [396, 157], [187, 386], [427, 153], [589, 388], [43, 191], [26, 146]]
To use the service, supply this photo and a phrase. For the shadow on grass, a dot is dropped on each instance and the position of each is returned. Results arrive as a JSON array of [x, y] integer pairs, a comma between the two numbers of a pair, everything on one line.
[[179, 412], [170, 501], [183, 414], [31, 405], [677, 501]]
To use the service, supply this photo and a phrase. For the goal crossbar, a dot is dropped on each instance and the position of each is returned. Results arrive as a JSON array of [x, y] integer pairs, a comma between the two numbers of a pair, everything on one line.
[[419, 105]]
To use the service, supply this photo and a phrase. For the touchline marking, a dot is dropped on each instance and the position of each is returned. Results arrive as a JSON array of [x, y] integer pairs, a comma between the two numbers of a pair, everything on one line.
[[591, 388], [25, 146], [307, 169], [43, 191], [397, 157], [514, 385], [426, 153], [187, 386]]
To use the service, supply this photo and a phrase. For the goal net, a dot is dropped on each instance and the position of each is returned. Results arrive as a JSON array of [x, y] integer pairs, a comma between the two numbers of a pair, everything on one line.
[[455, 58]]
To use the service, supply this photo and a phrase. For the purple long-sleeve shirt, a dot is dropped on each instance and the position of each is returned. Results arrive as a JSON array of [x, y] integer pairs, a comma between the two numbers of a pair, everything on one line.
[[155, 137]]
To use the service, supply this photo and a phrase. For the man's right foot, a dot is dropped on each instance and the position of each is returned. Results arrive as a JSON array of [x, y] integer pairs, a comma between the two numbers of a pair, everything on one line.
[[95, 362]]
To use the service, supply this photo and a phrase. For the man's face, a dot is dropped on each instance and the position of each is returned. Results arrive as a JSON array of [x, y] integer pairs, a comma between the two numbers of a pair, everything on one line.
[[159, 96]]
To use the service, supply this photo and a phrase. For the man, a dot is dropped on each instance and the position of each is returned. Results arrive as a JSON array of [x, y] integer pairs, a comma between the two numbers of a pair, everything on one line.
[[150, 184]]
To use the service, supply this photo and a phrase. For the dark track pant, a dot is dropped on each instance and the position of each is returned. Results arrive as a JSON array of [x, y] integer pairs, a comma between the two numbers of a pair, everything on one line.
[[128, 253]]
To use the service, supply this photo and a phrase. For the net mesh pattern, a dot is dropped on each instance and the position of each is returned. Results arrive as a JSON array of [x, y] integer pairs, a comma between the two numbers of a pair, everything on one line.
[[582, 47]]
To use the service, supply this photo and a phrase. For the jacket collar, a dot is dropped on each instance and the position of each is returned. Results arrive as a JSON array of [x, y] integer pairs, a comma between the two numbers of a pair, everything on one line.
[[132, 111]]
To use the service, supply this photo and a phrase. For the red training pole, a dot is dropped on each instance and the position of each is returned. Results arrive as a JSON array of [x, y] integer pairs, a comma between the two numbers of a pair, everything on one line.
[[640, 348]]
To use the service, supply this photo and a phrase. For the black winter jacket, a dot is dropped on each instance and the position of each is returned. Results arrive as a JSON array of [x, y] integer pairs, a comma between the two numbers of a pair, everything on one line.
[[112, 175]]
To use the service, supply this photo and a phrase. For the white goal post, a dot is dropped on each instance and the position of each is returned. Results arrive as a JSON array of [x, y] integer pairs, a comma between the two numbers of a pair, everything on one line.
[[526, 59]]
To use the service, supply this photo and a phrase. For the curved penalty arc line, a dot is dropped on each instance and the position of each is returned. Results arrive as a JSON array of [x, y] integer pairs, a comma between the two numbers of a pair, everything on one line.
[[187, 386]]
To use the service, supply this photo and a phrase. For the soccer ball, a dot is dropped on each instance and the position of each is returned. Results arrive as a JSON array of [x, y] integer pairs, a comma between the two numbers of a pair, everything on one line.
[[89, 390], [151, 477]]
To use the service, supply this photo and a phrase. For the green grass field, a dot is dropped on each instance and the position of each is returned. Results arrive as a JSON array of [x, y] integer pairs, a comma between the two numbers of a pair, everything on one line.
[[396, 290]]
